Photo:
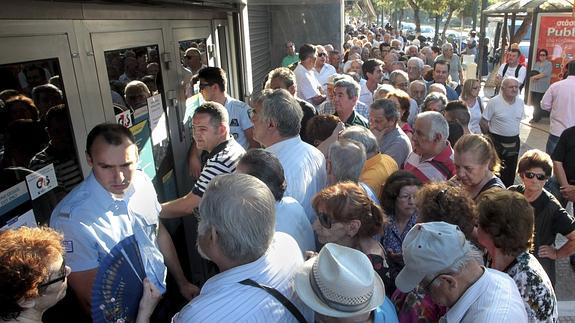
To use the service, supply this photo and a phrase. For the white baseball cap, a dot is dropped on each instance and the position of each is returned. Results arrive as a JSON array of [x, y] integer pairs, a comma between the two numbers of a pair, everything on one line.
[[428, 249], [339, 282]]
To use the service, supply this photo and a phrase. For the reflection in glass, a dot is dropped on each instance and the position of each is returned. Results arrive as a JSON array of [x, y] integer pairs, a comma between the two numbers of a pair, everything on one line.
[[35, 132]]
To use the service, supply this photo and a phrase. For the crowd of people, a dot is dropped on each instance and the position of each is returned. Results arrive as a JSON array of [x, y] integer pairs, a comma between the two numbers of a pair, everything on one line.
[[367, 184]]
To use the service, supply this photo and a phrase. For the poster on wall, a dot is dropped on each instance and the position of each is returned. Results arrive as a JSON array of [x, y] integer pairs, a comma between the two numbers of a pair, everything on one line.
[[556, 34]]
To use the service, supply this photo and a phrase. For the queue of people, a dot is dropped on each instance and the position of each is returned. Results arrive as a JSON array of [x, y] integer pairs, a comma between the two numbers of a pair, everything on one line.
[[339, 194]]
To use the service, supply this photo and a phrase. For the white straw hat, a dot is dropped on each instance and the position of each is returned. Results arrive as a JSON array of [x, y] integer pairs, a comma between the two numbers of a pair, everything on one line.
[[428, 249], [339, 282]]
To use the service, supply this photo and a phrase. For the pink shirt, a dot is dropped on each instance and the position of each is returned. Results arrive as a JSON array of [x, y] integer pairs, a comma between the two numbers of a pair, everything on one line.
[[560, 100]]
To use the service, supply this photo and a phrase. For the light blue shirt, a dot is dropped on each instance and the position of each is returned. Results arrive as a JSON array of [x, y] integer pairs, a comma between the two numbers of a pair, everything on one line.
[[93, 221], [385, 313], [239, 120], [224, 299], [291, 219]]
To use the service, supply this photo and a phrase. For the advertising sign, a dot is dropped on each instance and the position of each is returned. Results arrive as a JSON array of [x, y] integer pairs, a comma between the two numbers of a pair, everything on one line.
[[556, 34]]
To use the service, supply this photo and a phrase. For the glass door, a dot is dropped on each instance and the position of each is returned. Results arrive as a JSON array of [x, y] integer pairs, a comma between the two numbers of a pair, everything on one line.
[[41, 128], [131, 68]]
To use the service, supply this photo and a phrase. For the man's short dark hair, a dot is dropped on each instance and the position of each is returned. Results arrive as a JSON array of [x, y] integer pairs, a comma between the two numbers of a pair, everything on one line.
[[113, 134], [265, 166], [306, 51], [217, 112], [515, 50], [58, 112], [369, 65], [436, 49], [214, 75], [441, 62]]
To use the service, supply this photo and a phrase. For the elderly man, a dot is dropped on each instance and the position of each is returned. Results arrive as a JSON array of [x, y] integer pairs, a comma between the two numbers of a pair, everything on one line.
[[277, 125], [432, 156], [440, 74], [501, 119], [378, 166], [373, 74], [309, 88], [335, 60], [322, 69], [399, 80], [291, 57], [388, 61], [136, 95], [383, 118], [560, 100], [193, 60], [449, 268], [290, 215], [417, 91], [239, 238], [220, 153], [284, 78], [345, 98], [415, 69], [455, 69], [346, 159]]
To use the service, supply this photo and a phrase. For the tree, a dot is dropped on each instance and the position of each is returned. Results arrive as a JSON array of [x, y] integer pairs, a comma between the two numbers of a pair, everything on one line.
[[391, 6]]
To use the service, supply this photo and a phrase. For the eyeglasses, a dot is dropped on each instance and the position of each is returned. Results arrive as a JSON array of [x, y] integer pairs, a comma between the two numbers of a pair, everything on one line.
[[322, 54], [530, 175], [251, 113], [427, 287], [542, 54], [61, 277], [324, 220]]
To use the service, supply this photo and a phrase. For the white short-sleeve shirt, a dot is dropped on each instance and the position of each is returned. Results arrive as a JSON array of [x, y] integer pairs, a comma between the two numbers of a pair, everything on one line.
[[504, 118]]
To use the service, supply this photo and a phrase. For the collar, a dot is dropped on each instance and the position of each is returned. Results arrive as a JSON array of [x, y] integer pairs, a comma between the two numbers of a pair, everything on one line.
[[217, 149], [101, 196], [469, 297], [351, 118], [443, 156], [279, 146]]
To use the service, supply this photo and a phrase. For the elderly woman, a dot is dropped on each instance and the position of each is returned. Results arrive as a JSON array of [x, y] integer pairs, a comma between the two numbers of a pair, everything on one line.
[[476, 164], [539, 82], [505, 230], [348, 217], [355, 294], [402, 99], [32, 273], [550, 217], [470, 95], [398, 201]]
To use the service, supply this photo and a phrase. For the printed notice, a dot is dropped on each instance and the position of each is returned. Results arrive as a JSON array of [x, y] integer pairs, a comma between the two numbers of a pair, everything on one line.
[[25, 220], [41, 181], [157, 119], [124, 118]]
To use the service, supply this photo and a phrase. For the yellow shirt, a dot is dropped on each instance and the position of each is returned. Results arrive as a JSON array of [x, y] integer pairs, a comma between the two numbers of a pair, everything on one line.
[[376, 170]]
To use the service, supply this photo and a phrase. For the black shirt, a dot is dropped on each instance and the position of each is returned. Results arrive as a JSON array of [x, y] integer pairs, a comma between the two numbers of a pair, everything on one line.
[[565, 153]]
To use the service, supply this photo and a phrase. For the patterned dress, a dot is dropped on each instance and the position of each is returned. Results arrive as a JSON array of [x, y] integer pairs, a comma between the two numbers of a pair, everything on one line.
[[535, 288]]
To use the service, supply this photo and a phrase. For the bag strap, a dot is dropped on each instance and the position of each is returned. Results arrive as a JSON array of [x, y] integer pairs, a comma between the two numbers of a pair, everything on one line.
[[504, 70], [441, 168], [277, 295]]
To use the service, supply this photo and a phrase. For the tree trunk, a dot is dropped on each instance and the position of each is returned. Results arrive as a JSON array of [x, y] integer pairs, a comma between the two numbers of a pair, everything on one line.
[[415, 8], [449, 15], [436, 36], [525, 25]]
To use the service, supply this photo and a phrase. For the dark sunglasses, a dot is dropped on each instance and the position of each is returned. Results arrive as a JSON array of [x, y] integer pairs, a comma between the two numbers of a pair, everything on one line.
[[61, 277], [322, 54], [205, 85], [324, 220], [530, 175]]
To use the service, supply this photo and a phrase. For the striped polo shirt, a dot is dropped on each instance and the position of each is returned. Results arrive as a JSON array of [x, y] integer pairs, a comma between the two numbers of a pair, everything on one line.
[[223, 159]]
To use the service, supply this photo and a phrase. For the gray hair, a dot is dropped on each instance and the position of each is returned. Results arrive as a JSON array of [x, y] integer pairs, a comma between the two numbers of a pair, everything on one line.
[[347, 158], [510, 78], [390, 110], [351, 87], [418, 61], [432, 97], [241, 209], [136, 87], [395, 74], [472, 254], [446, 46], [258, 97], [437, 122], [382, 91], [363, 136], [284, 74], [283, 109]]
